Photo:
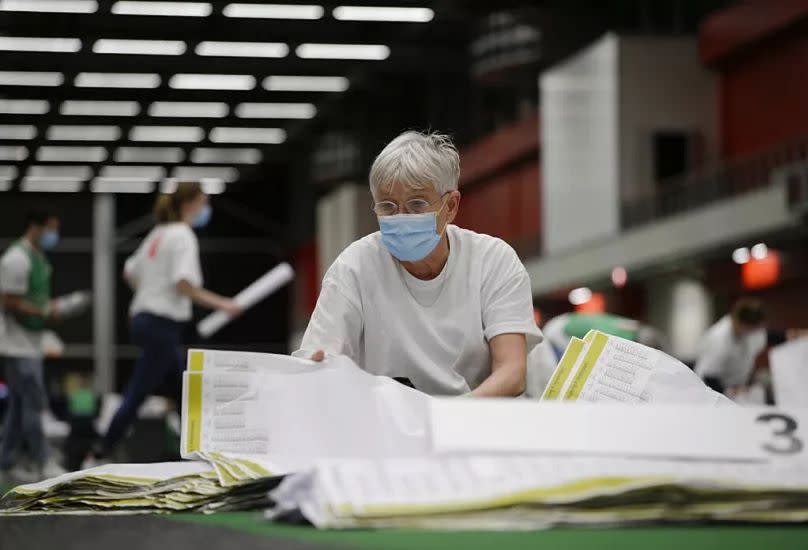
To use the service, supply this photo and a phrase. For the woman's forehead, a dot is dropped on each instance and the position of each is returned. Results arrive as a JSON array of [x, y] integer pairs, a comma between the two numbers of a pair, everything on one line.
[[401, 192]]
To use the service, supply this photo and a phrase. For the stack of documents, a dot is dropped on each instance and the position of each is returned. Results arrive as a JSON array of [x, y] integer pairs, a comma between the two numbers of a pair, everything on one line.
[[219, 484], [607, 368], [529, 492]]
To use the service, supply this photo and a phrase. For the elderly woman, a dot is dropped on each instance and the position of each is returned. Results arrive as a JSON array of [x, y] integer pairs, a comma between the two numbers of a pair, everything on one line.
[[444, 307]]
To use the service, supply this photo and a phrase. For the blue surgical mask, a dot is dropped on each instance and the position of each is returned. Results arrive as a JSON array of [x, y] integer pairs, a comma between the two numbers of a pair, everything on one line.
[[49, 239], [202, 217], [410, 237]]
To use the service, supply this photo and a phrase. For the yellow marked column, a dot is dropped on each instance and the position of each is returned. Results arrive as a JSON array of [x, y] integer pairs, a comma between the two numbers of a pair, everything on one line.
[[587, 364], [562, 372]]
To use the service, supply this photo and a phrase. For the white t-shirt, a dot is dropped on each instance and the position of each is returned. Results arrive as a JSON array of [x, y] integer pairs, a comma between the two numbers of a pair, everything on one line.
[[168, 254], [16, 340], [433, 332], [727, 357]]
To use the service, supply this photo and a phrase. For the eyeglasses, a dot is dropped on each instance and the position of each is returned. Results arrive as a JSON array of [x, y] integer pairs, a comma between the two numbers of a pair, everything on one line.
[[412, 206]]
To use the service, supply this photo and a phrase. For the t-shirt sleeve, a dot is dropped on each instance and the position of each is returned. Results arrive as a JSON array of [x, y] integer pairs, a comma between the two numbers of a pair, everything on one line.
[[184, 260], [337, 322], [15, 268], [507, 299], [134, 263]]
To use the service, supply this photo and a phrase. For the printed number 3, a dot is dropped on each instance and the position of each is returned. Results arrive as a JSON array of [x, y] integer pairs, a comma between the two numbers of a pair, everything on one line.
[[789, 426]]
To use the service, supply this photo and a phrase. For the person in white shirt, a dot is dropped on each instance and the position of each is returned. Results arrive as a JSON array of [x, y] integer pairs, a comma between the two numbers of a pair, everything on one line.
[[167, 278], [728, 351], [445, 308], [25, 309]]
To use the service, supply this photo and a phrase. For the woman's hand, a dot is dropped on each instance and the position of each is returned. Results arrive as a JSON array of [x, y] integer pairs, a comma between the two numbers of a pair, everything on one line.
[[318, 356], [230, 307]]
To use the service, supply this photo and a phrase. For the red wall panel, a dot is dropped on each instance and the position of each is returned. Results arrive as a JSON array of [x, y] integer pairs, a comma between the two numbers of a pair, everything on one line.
[[506, 206], [763, 94]]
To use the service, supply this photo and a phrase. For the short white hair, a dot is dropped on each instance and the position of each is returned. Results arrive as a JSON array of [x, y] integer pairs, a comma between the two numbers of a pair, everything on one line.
[[417, 160]]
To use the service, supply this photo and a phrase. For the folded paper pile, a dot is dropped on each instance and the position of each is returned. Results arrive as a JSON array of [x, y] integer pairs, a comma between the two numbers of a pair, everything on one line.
[[213, 483]]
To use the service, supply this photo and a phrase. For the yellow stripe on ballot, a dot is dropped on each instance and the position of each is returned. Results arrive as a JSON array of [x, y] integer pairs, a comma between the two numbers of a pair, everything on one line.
[[587, 364], [561, 373]]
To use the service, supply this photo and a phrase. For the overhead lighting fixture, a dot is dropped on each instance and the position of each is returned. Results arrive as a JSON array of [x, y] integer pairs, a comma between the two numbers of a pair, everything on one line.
[[99, 108], [274, 11], [167, 133], [740, 255], [579, 296], [121, 185], [13, 153], [83, 133], [343, 51], [24, 106], [149, 154], [17, 131], [213, 186], [50, 6], [152, 173], [210, 186], [30, 78], [760, 251], [212, 82], [306, 83], [168, 9], [117, 80], [227, 173], [8, 172], [208, 155], [276, 110], [139, 47], [188, 109], [45, 172], [51, 186], [52, 153], [37, 44], [386, 13], [247, 135], [242, 49]]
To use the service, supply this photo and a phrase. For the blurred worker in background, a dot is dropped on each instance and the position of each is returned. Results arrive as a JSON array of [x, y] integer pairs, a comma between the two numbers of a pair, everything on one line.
[[559, 330], [728, 350], [25, 308], [448, 309], [166, 276]]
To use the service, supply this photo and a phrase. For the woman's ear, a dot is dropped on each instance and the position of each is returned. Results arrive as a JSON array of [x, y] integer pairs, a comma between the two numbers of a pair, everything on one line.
[[452, 206]]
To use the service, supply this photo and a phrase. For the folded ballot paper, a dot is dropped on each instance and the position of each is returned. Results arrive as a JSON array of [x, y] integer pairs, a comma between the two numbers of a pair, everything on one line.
[[294, 412], [604, 368]]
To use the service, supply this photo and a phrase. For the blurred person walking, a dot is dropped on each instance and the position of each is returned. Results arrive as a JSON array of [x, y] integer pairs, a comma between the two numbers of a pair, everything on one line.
[[728, 351], [166, 276], [25, 308]]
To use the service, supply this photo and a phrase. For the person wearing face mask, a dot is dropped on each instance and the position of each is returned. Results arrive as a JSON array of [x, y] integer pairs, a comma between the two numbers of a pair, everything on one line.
[[25, 309], [166, 276], [445, 308]]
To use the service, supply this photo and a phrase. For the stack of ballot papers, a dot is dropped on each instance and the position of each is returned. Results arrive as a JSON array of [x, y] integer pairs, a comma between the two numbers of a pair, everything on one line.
[[530, 492], [216, 483]]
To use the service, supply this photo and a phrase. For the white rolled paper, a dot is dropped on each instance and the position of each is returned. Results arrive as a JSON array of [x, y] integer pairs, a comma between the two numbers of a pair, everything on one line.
[[268, 283]]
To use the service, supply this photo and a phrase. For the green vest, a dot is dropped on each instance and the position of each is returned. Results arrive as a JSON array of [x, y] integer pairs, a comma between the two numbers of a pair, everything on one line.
[[581, 323], [39, 287]]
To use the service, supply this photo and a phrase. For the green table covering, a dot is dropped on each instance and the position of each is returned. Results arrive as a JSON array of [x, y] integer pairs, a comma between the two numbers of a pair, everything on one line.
[[740, 537]]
